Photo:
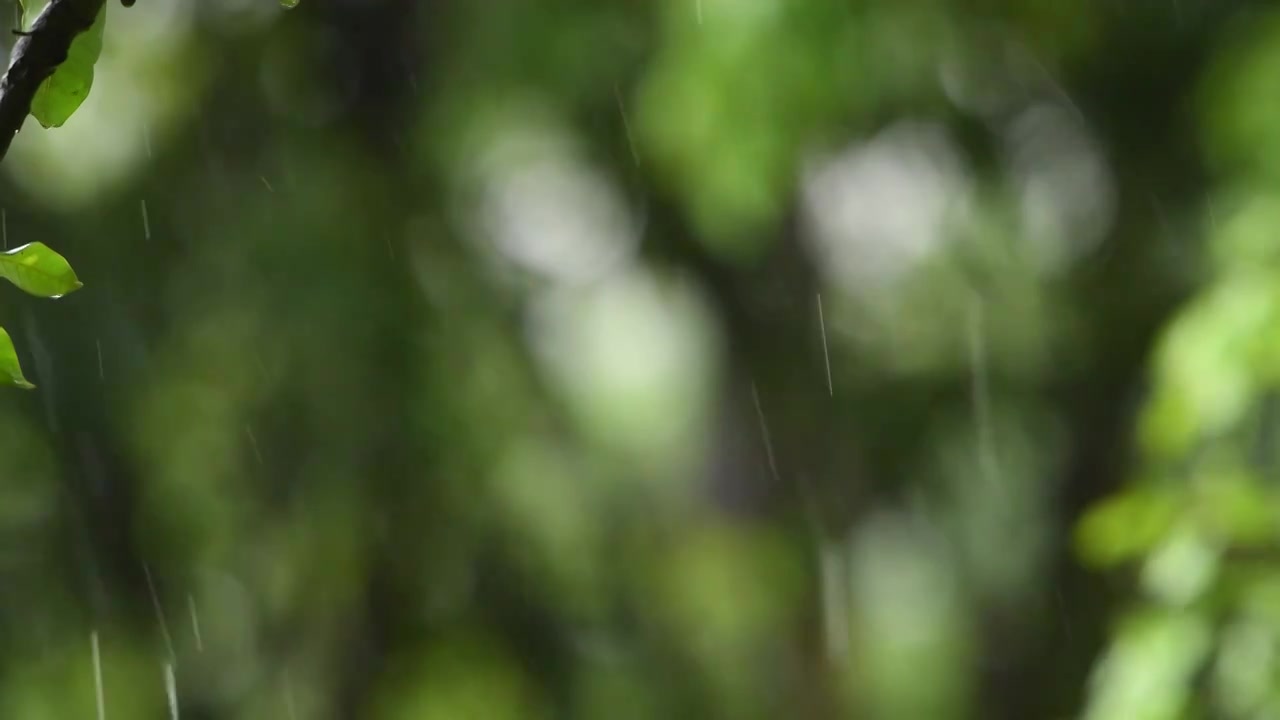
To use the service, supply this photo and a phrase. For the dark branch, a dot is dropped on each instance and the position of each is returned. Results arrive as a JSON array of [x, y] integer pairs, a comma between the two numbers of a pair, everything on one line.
[[36, 55]]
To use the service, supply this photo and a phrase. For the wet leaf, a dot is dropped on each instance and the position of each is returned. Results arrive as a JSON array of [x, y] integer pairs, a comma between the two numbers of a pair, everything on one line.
[[61, 94], [38, 270], [10, 368]]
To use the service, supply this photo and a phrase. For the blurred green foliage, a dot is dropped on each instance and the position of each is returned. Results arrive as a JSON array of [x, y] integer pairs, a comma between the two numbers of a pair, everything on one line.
[[695, 358]]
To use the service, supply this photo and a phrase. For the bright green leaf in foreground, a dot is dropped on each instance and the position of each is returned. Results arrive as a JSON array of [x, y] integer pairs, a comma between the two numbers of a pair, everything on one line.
[[38, 270], [61, 94], [10, 369]]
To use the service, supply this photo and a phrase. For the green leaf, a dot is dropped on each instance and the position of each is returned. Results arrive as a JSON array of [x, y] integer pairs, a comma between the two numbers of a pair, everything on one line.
[[40, 271], [1126, 526], [10, 369], [61, 94]]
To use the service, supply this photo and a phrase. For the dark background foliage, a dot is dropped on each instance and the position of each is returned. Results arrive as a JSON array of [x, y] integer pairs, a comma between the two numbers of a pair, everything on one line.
[[719, 358]]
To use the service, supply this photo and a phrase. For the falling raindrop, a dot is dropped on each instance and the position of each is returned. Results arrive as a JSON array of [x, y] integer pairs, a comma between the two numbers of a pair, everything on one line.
[[97, 676], [289, 3], [253, 442], [155, 602], [195, 622], [764, 432], [146, 221], [826, 354], [171, 690], [626, 126]]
